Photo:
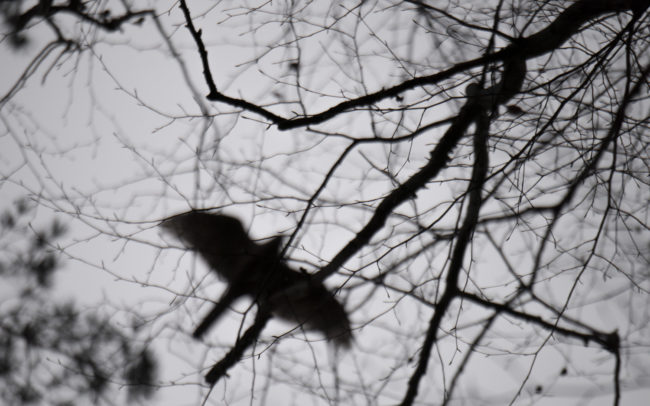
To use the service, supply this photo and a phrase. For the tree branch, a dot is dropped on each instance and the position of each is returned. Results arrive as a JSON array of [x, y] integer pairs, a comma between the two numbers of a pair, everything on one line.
[[555, 34], [464, 236], [234, 355]]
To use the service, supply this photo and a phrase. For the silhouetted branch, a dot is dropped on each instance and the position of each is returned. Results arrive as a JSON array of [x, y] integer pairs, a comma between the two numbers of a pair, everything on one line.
[[234, 355], [601, 338], [463, 238], [555, 34], [46, 9]]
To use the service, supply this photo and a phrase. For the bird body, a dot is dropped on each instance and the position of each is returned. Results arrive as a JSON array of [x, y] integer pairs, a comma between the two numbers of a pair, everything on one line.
[[256, 270]]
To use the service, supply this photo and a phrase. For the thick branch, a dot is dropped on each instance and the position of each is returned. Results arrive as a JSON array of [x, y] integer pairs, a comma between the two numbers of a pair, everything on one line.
[[437, 162], [77, 8], [464, 236], [220, 369], [555, 34]]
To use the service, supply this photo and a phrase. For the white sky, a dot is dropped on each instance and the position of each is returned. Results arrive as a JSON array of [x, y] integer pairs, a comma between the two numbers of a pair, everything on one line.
[[109, 137]]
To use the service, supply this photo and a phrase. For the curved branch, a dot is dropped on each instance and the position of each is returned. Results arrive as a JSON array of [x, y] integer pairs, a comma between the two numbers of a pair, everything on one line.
[[555, 34]]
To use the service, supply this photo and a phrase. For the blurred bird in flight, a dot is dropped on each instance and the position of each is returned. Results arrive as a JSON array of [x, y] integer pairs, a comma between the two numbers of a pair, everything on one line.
[[256, 270]]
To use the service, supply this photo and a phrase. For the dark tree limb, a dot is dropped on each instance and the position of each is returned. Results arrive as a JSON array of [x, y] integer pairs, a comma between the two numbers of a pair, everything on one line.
[[45, 9], [463, 238], [547, 40], [220, 369], [599, 337]]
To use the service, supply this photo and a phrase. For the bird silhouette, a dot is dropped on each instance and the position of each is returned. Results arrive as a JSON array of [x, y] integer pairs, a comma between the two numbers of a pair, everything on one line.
[[256, 270]]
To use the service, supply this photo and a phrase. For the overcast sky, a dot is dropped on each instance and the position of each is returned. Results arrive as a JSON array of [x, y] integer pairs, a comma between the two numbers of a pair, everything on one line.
[[110, 143]]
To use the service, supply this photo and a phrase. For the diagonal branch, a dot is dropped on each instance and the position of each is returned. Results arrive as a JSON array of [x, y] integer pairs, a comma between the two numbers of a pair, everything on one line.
[[463, 238], [437, 162], [220, 369]]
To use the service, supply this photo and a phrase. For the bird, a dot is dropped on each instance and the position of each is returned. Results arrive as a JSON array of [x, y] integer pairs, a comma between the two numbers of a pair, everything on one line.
[[258, 271]]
